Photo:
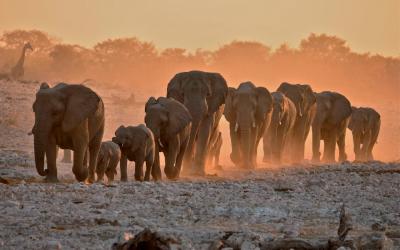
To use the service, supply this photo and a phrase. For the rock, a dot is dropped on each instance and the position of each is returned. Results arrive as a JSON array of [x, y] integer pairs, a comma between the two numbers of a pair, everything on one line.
[[378, 227], [374, 241], [53, 245], [147, 239]]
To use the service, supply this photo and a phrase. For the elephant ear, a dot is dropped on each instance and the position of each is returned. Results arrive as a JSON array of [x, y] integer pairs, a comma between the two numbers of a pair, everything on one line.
[[264, 103], [219, 91], [178, 115], [229, 111], [309, 96], [341, 108], [81, 102], [175, 86], [149, 103]]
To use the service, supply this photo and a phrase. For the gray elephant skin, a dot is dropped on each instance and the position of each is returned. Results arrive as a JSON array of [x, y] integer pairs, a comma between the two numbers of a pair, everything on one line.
[[170, 122], [248, 110], [304, 99], [330, 123], [280, 130], [203, 94], [137, 144], [71, 117], [107, 161], [365, 124], [215, 150]]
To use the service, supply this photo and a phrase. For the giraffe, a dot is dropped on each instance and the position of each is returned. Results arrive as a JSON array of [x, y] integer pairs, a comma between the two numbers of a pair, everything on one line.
[[18, 70]]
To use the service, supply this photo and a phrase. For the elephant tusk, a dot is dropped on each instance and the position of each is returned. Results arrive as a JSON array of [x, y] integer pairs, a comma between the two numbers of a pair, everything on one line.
[[254, 124], [280, 122], [236, 127], [159, 141]]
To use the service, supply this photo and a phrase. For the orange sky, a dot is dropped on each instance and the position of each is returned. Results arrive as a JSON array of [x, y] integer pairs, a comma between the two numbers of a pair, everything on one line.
[[367, 25]]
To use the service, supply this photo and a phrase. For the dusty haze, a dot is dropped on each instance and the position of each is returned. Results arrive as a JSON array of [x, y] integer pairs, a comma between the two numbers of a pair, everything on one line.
[[121, 66]]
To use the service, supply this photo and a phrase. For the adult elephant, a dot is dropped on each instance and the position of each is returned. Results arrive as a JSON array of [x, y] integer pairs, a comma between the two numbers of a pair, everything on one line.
[[170, 122], [248, 111], [330, 123], [280, 129], [71, 117], [365, 124], [203, 94], [304, 99]]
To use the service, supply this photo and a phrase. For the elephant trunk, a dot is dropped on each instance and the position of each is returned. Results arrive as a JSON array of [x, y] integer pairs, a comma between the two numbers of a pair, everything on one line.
[[40, 149], [245, 141]]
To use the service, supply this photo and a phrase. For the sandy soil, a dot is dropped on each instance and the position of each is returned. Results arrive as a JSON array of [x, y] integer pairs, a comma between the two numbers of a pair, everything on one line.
[[255, 206]]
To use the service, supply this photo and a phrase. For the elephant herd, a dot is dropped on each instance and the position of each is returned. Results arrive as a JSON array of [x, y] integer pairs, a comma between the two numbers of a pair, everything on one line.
[[184, 126]]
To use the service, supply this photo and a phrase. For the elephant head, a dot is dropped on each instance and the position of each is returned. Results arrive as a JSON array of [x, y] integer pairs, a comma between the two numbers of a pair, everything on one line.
[[128, 139], [301, 95], [63, 107], [358, 121], [166, 116], [280, 108], [246, 108], [202, 93], [358, 125]]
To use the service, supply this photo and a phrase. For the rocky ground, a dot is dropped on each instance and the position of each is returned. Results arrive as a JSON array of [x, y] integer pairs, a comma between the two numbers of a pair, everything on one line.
[[245, 208]]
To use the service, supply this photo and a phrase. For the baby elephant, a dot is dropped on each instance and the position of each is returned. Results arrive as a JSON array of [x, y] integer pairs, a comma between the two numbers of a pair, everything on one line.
[[170, 121], [136, 144], [364, 124], [107, 161]]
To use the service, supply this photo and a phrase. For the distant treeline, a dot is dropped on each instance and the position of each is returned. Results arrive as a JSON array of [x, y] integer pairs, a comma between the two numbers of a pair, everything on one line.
[[326, 62]]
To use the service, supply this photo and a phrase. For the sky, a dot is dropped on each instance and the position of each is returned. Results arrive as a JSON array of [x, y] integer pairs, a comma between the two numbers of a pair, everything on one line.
[[367, 25]]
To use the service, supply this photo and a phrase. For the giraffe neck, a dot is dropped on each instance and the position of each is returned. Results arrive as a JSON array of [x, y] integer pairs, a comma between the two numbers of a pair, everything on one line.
[[21, 59]]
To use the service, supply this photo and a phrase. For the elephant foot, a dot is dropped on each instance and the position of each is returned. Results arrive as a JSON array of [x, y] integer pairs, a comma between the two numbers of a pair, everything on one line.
[[51, 179], [342, 157], [81, 175], [138, 178]]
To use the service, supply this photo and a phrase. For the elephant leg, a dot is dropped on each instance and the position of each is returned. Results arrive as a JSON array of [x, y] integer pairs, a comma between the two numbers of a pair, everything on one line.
[[51, 156], [123, 165], [202, 145], [139, 169], [100, 169], [78, 168], [170, 159], [267, 147], [329, 147], [235, 155], [149, 166], [316, 141], [94, 149], [156, 169], [373, 141], [190, 151], [342, 147], [111, 170], [179, 158], [365, 145], [217, 152]]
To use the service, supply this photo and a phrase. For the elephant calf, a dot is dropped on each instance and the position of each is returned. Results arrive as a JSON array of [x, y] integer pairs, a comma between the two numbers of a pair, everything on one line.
[[365, 124], [136, 144], [107, 161], [282, 123], [170, 122]]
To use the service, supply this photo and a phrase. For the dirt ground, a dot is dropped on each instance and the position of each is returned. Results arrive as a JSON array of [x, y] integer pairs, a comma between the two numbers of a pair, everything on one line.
[[253, 206]]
